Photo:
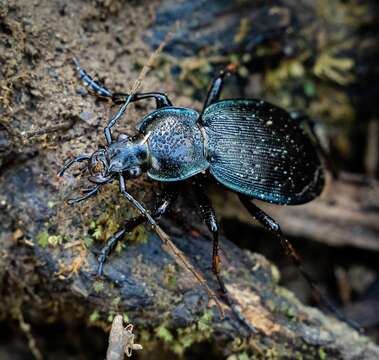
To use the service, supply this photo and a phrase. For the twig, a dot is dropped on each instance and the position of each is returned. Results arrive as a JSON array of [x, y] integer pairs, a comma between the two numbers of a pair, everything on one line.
[[171, 248], [149, 64]]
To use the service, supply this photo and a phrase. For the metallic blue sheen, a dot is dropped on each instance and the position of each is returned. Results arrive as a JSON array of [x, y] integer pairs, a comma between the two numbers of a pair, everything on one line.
[[256, 149], [175, 144]]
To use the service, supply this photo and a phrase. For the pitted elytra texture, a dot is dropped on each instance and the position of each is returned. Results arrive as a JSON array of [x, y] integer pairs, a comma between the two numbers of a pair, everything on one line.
[[176, 148]]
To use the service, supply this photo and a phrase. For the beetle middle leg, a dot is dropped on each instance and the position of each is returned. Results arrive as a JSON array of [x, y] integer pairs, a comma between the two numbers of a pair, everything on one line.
[[163, 205], [208, 215]]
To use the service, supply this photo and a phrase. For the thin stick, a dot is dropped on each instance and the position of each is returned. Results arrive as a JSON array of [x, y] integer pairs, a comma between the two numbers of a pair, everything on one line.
[[148, 66], [171, 248]]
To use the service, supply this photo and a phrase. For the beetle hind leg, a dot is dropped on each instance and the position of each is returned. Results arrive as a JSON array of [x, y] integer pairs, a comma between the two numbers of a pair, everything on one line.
[[270, 224], [300, 118]]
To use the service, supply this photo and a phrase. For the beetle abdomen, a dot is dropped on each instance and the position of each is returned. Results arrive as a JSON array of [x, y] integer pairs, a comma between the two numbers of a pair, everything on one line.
[[175, 143], [254, 148]]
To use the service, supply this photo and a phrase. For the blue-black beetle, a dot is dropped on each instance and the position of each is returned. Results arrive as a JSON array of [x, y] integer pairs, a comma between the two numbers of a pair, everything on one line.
[[252, 147]]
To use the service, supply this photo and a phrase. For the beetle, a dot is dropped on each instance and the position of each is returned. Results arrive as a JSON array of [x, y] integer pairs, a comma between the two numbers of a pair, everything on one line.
[[251, 147]]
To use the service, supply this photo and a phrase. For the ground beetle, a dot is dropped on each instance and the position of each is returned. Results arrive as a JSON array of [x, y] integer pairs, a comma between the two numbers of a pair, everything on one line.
[[251, 147]]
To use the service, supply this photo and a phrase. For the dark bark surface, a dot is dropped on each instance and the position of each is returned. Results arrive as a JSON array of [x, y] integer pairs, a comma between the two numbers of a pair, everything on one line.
[[47, 263]]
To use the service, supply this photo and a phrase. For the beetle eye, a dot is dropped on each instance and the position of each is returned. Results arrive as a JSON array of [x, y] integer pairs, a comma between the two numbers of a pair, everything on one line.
[[135, 171]]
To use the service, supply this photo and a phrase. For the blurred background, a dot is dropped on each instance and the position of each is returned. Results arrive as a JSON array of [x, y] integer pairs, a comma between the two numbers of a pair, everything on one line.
[[318, 58]]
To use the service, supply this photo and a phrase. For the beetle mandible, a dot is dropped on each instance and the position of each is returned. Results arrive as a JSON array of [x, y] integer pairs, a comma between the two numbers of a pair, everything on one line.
[[251, 147]]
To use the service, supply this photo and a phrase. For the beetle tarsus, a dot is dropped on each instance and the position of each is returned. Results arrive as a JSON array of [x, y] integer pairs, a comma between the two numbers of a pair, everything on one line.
[[89, 193]]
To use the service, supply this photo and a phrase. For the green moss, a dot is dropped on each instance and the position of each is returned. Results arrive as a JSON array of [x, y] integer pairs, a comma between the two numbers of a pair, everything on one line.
[[169, 276], [94, 316], [139, 235], [116, 301], [164, 334], [88, 241], [98, 286], [43, 239], [243, 356], [110, 317], [55, 240], [125, 317], [98, 232], [321, 353], [183, 338]]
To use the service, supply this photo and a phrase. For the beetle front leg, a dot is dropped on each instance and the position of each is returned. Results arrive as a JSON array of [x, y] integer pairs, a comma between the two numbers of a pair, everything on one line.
[[161, 101], [94, 86], [114, 119], [118, 98], [132, 223]]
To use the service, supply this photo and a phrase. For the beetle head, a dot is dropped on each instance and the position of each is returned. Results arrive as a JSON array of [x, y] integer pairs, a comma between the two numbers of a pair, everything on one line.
[[127, 156]]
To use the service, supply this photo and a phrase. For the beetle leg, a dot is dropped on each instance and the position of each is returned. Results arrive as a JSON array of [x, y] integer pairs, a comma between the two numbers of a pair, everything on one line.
[[208, 215], [302, 118], [94, 86], [132, 223], [112, 122], [118, 98], [215, 89], [89, 193], [161, 101], [270, 224]]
